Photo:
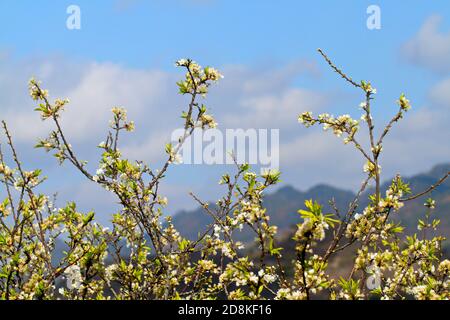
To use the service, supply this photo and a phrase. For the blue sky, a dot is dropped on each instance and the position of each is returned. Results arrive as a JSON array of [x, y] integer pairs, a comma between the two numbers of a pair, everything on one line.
[[128, 47]]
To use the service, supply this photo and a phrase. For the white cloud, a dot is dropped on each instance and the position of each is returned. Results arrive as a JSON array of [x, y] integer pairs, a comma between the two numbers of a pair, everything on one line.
[[440, 94], [150, 97], [319, 157], [276, 110], [104, 86], [429, 48], [150, 150], [418, 141], [259, 96]]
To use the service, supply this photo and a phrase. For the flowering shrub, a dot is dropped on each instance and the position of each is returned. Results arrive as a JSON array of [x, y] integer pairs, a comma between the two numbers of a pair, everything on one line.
[[143, 256]]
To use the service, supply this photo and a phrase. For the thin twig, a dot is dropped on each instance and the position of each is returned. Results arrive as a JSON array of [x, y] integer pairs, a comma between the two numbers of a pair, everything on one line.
[[339, 71], [437, 184]]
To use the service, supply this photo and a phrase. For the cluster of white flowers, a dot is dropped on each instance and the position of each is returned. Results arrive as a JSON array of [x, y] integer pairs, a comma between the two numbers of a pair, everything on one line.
[[237, 272], [314, 229], [213, 74], [268, 275], [404, 103], [120, 120], [99, 174], [340, 125], [197, 78], [392, 200], [182, 63], [248, 213], [60, 104], [306, 118], [74, 277], [208, 121], [350, 296], [110, 272], [163, 201], [120, 113], [290, 294], [176, 158], [444, 267], [5, 170], [253, 278], [208, 265], [159, 260], [369, 168], [227, 251], [361, 224], [367, 87], [430, 203], [35, 92], [311, 273]]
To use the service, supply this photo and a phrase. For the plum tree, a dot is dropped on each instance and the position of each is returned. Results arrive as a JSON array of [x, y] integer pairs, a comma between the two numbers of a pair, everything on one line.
[[143, 256]]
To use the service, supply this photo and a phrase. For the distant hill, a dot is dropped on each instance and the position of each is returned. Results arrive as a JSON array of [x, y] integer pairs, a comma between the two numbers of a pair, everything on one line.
[[282, 205], [415, 209]]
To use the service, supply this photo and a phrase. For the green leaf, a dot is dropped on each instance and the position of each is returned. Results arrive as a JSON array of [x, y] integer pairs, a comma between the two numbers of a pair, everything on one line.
[[169, 148], [260, 289], [183, 244], [88, 218]]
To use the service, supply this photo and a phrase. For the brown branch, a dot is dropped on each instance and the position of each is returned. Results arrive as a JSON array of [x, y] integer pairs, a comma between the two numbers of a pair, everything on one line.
[[337, 70], [437, 184]]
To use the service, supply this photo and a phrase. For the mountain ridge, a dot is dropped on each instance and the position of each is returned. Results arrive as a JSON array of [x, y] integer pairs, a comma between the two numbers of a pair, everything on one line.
[[283, 203]]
